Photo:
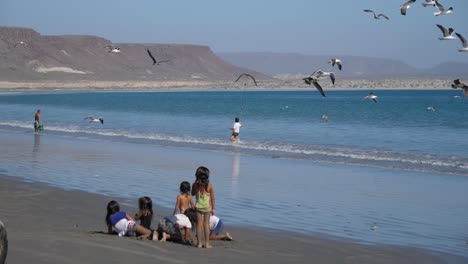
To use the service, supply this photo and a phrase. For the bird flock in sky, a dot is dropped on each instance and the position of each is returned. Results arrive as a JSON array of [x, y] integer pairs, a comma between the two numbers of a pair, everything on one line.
[[447, 34]]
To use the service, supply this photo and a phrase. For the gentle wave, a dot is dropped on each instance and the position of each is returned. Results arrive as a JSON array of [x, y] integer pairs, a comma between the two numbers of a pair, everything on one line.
[[321, 153]]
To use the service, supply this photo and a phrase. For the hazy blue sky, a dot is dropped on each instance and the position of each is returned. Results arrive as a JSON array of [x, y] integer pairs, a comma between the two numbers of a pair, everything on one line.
[[335, 27]]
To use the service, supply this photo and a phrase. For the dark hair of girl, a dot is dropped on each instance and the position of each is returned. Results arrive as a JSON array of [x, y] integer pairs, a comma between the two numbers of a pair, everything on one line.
[[112, 208], [203, 175], [145, 203], [184, 187], [192, 216]]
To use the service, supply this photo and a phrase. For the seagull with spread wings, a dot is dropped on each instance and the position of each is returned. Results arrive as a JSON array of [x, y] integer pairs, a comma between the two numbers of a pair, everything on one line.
[[314, 78], [246, 75], [442, 10], [446, 32], [429, 3], [154, 59], [375, 15], [464, 43], [93, 119], [457, 84], [405, 6], [371, 96], [337, 62]]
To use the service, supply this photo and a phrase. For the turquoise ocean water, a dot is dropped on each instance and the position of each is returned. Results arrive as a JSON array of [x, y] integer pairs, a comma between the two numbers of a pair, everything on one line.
[[379, 153]]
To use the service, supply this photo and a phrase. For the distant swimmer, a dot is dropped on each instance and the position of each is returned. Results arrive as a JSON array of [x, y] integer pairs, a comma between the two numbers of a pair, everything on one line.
[[337, 62], [93, 119], [457, 84], [375, 15], [235, 129], [154, 59], [325, 118], [37, 121], [246, 75], [371, 96]]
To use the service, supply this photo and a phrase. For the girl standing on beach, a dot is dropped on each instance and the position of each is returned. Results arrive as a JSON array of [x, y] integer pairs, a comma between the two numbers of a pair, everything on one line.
[[184, 199], [145, 215], [124, 224], [205, 206]]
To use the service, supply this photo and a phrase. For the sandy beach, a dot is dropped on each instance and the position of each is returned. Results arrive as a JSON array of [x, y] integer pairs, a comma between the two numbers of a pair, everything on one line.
[[47, 225], [284, 84]]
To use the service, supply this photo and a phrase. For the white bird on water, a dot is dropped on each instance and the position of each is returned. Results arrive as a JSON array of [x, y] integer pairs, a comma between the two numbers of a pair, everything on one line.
[[430, 108], [464, 43], [93, 119], [446, 32], [337, 62], [442, 10]]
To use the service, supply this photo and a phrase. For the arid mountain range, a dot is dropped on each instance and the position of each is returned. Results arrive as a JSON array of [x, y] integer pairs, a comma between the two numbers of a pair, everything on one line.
[[283, 64], [26, 55]]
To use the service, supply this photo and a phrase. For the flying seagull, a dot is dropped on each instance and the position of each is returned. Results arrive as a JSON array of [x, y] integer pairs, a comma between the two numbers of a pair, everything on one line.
[[371, 96], [406, 6], [457, 84], [429, 3], [337, 62], [93, 119], [20, 43], [464, 43], [154, 60], [446, 32], [376, 16], [246, 75], [113, 49], [442, 10], [315, 76]]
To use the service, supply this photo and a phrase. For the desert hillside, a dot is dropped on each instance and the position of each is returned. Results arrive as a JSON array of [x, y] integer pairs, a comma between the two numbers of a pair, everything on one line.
[[27, 55]]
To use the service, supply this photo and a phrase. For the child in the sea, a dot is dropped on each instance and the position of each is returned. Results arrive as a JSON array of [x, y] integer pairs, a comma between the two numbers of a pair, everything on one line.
[[235, 129], [145, 215], [216, 228], [184, 199], [170, 227], [205, 204], [124, 224]]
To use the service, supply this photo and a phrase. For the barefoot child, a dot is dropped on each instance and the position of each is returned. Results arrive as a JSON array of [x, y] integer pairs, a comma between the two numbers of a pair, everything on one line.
[[124, 224], [216, 227], [145, 215], [170, 227], [235, 129], [184, 199], [205, 206]]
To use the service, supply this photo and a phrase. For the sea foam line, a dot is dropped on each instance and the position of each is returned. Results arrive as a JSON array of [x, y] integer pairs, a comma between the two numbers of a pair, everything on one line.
[[312, 150]]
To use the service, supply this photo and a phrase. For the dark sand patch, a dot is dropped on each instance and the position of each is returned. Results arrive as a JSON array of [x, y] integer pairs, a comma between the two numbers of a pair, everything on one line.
[[47, 225]]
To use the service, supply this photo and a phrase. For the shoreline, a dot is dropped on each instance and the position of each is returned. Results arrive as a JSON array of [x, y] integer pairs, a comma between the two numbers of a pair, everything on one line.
[[286, 85], [59, 229]]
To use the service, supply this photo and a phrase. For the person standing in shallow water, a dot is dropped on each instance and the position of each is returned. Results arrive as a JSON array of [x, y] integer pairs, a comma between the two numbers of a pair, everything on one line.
[[205, 204], [37, 121], [235, 129]]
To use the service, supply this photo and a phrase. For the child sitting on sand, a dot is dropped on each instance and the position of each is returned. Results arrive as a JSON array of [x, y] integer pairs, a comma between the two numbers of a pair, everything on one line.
[[145, 215], [184, 199], [216, 227], [170, 227], [124, 224], [205, 205]]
